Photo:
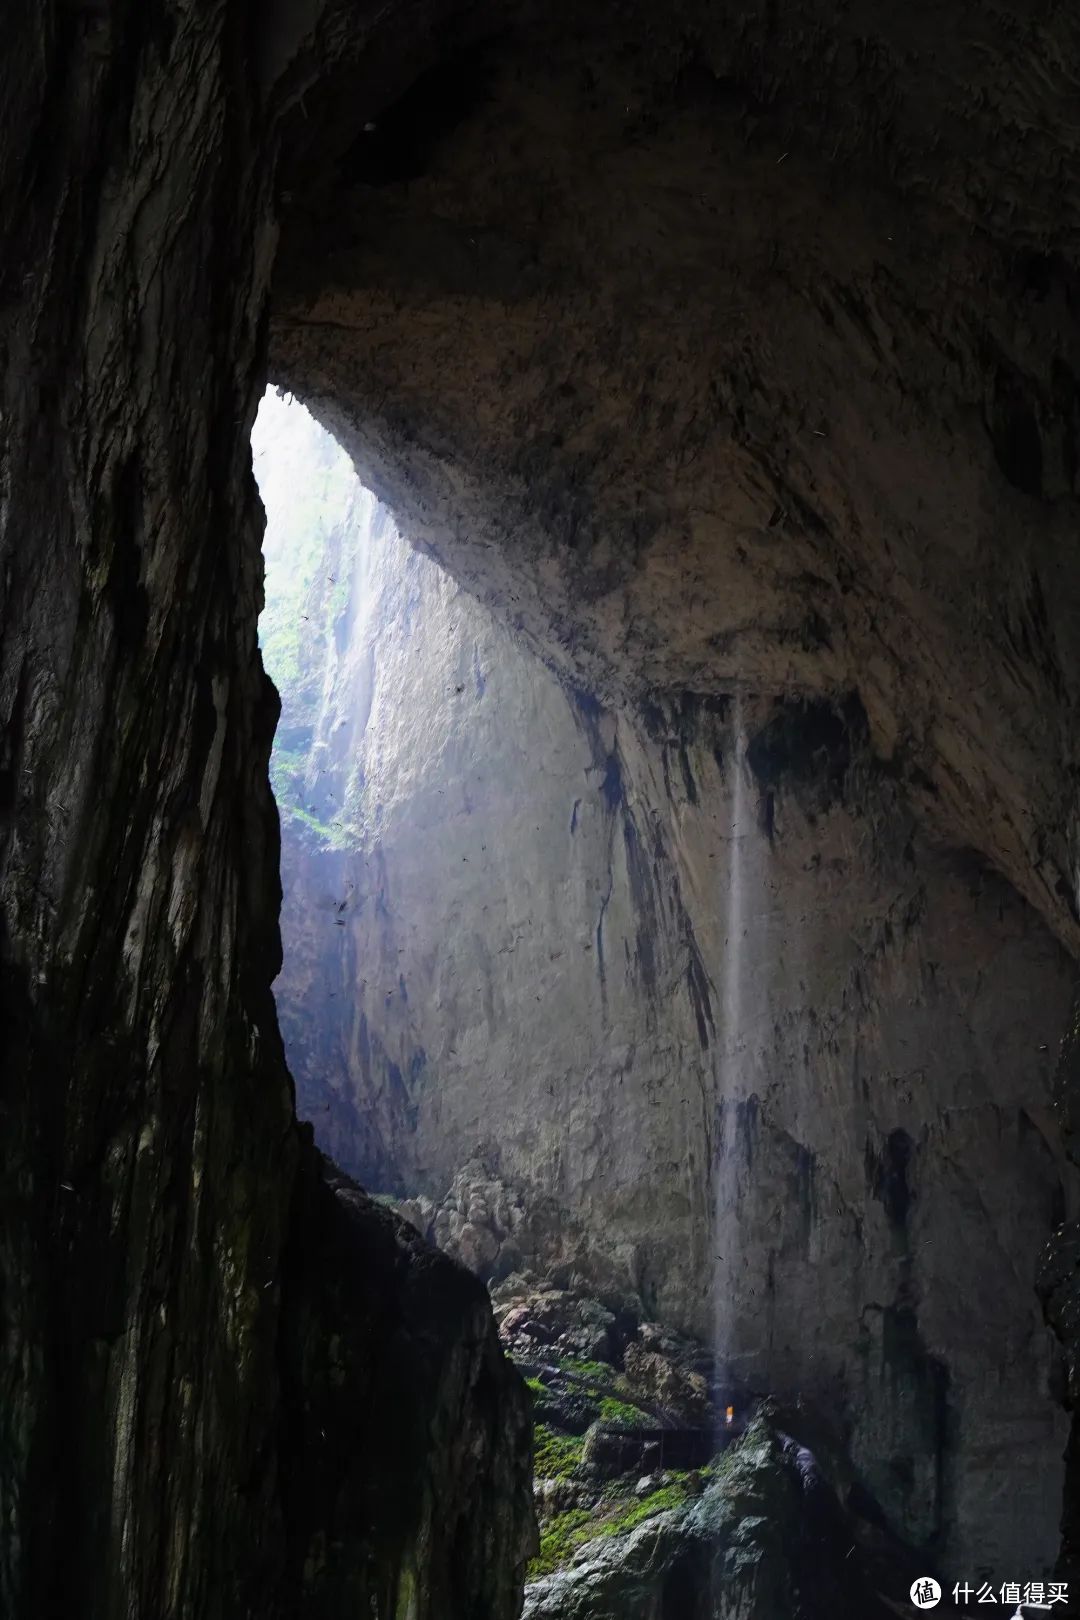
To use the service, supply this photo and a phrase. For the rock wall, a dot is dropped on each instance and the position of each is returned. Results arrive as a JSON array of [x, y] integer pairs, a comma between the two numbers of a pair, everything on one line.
[[688, 981], [738, 354], [695, 402], [174, 1345], [771, 1534]]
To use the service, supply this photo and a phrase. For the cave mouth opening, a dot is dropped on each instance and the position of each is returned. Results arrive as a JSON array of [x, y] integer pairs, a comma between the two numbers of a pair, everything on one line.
[[563, 983], [421, 754], [318, 518], [468, 927], [336, 592]]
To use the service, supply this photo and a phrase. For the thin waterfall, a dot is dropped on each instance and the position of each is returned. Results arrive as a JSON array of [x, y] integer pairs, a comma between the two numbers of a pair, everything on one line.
[[732, 1046]]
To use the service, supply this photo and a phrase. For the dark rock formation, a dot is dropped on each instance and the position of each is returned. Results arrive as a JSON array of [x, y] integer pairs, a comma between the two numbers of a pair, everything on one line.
[[405, 1459], [161, 1238], [148, 1148], [1059, 1286]]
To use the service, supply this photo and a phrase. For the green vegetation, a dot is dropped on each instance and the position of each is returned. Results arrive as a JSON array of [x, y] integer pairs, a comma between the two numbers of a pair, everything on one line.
[[622, 1415], [288, 770], [606, 1390], [563, 1534], [597, 1390], [616, 1512], [308, 484], [329, 832], [636, 1512], [597, 1371], [555, 1456], [310, 548], [558, 1540]]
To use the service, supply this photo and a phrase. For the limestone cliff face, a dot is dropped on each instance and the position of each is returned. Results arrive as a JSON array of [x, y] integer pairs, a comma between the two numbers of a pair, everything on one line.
[[691, 411], [738, 355], [689, 980]]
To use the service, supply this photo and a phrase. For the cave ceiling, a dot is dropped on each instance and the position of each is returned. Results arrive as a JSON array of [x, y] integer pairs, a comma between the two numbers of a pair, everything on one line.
[[723, 351]]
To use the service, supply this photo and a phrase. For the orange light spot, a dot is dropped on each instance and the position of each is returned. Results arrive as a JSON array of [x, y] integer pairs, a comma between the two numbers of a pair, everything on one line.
[[729, 1414]]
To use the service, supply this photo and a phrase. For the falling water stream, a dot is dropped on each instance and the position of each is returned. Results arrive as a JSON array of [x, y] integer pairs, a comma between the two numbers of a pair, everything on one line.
[[733, 974]]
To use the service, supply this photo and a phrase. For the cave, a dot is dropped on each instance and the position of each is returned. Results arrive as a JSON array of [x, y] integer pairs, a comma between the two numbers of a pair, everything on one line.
[[723, 362]]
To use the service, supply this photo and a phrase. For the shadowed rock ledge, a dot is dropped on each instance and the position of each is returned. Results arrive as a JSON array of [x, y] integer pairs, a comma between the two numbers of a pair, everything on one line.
[[407, 1434]]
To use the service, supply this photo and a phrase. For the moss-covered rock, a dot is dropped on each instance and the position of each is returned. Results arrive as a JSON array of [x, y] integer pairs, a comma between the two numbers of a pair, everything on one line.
[[768, 1539], [611, 1514], [555, 1456], [623, 1414]]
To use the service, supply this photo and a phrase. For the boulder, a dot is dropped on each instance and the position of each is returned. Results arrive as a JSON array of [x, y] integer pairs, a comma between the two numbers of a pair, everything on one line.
[[659, 1379], [772, 1537]]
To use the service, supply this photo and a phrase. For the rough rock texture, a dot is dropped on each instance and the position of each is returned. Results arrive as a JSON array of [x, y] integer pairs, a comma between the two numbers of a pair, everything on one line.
[[693, 416], [680, 1001], [406, 1455], [776, 1535], [148, 1152], [717, 1506], [160, 1237], [568, 1322], [739, 354]]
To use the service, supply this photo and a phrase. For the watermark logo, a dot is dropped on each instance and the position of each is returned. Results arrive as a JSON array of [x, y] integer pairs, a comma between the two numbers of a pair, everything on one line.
[[1025, 1595], [1019, 1597]]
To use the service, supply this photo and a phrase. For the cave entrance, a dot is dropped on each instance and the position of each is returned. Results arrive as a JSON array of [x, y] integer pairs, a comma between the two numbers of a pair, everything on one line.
[[450, 815], [499, 996], [632, 1004], [474, 952], [341, 590]]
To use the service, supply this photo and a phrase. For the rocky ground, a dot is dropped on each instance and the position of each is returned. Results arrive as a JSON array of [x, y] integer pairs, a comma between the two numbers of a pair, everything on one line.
[[663, 1489]]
